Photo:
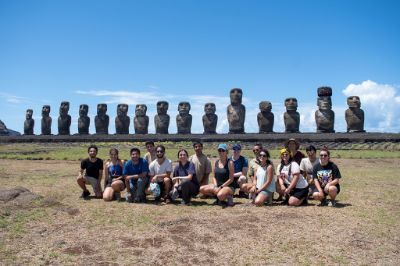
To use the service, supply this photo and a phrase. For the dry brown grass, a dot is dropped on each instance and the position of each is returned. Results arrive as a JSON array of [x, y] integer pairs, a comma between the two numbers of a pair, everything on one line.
[[62, 229]]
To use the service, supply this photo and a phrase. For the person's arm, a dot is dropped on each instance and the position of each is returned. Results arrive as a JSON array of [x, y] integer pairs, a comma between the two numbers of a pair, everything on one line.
[[293, 183], [270, 175], [335, 176], [100, 173], [106, 175], [318, 186]]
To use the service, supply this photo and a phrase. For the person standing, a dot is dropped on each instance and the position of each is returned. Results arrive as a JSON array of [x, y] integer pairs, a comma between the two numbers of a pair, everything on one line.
[[160, 172], [151, 152], [136, 177], [326, 176], [293, 146], [113, 178], [201, 163], [306, 167], [91, 173]]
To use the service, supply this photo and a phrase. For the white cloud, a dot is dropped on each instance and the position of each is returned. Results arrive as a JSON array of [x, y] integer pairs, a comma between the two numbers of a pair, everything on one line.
[[380, 103], [13, 99]]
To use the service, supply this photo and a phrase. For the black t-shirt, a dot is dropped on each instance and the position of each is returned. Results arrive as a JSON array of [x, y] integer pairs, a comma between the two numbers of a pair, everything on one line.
[[92, 169], [325, 174]]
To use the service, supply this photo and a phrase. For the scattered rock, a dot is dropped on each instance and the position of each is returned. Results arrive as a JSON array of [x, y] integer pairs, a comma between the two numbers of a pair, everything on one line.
[[18, 195], [7, 132]]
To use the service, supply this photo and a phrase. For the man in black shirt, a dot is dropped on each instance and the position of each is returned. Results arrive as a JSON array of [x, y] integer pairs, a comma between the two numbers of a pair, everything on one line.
[[91, 172]]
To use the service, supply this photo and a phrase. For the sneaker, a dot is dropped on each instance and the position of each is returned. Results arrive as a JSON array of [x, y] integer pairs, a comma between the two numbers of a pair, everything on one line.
[[332, 203], [230, 201], [324, 202], [184, 203], [85, 194], [174, 194], [128, 197], [304, 202], [216, 202]]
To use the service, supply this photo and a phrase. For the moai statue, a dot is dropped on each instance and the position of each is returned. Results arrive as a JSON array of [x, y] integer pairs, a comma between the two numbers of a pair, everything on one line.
[[210, 119], [324, 116], [29, 123], [291, 117], [64, 120], [236, 112], [83, 120], [46, 120], [141, 120], [265, 118], [161, 119], [184, 119], [122, 121], [101, 120], [354, 115]]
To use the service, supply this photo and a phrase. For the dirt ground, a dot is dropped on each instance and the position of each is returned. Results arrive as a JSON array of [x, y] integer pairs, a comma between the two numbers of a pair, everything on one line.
[[60, 229]]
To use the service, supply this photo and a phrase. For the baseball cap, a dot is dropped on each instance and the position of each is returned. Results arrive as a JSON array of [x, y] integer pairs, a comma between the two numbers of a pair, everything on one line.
[[223, 146], [236, 147]]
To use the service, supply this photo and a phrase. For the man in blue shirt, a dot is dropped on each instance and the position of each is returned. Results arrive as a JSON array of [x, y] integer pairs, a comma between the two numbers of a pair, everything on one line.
[[136, 177]]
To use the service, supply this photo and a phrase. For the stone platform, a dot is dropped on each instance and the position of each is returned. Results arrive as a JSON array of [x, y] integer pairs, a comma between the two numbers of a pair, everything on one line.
[[249, 137]]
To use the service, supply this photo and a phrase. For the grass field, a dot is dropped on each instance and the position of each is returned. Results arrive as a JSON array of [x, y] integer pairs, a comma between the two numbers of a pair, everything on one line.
[[61, 229]]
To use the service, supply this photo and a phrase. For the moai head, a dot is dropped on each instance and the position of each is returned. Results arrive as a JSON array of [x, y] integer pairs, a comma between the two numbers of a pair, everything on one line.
[[209, 108], [291, 104], [140, 110], [265, 106], [354, 102], [324, 103], [122, 110], [101, 109], [324, 91], [162, 107], [46, 110], [29, 113], [236, 95], [184, 108], [83, 110], [64, 108]]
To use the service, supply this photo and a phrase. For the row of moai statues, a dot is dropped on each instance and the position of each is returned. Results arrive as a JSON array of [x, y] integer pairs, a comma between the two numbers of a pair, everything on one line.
[[236, 113]]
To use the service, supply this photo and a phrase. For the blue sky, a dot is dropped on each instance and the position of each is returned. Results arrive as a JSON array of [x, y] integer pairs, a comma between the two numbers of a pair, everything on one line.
[[132, 52]]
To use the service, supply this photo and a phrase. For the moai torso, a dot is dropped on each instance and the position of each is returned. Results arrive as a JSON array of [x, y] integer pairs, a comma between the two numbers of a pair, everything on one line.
[[161, 119], [184, 119], [265, 117], [210, 119], [102, 120], [141, 120], [122, 121], [83, 120], [46, 120], [324, 116], [64, 120], [236, 112], [291, 117], [354, 115], [29, 123]]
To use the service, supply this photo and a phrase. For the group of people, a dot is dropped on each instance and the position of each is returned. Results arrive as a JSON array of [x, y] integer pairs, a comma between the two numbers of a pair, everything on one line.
[[296, 178]]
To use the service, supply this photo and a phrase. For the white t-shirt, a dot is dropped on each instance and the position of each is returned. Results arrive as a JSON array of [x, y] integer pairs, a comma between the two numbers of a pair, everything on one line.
[[155, 168], [307, 166], [294, 169]]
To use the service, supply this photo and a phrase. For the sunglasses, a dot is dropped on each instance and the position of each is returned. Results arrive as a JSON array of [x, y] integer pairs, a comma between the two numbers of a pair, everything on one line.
[[256, 150], [263, 155], [323, 155], [159, 151], [221, 150]]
